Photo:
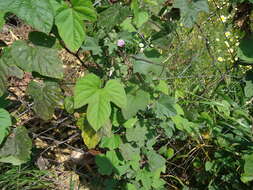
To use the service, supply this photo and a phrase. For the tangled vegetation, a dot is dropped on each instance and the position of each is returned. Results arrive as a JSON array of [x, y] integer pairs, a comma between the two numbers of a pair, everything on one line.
[[148, 94]]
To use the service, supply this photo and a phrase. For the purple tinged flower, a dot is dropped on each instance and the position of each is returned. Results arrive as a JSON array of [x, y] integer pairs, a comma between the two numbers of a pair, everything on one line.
[[120, 43]]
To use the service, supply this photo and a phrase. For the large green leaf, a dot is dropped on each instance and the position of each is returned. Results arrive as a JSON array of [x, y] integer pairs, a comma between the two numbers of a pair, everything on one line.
[[99, 109], [5, 123], [165, 106], [129, 152], [37, 13], [88, 91], [136, 100], [9, 5], [245, 49], [112, 142], [7, 69], [70, 27], [47, 96], [112, 16], [105, 166], [116, 93], [85, 9], [85, 88], [137, 134], [38, 59], [17, 148], [149, 63], [189, 10], [155, 161]]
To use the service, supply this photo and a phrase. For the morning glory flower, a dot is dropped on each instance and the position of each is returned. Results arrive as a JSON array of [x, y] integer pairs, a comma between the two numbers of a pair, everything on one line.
[[121, 43]]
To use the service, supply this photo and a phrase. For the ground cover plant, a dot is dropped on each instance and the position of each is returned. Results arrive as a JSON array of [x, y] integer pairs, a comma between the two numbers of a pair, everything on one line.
[[148, 94]]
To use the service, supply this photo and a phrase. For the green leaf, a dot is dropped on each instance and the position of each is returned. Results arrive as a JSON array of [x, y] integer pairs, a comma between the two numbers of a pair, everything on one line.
[[116, 93], [37, 59], [47, 96], [130, 122], [88, 91], [247, 176], [244, 51], [189, 10], [104, 165], [145, 177], [128, 152], [69, 104], [2, 21], [9, 5], [149, 63], [140, 18], [113, 16], [5, 123], [130, 186], [155, 161], [165, 106], [39, 14], [70, 27], [99, 109], [7, 69], [85, 9], [17, 148], [90, 137], [112, 142], [163, 87], [91, 44], [136, 100], [3, 76], [85, 88], [41, 39], [127, 25], [137, 134], [112, 156], [248, 89]]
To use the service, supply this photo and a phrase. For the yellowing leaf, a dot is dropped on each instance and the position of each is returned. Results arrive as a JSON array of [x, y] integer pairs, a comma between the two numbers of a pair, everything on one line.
[[90, 137]]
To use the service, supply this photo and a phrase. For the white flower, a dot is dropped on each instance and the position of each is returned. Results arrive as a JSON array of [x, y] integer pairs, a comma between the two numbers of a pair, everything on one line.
[[227, 34], [217, 39], [231, 50], [141, 45], [223, 18]]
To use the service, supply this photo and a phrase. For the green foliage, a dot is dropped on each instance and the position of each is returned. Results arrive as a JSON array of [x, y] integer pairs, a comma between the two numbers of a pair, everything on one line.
[[88, 91], [112, 16], [39, 14], [2, 21], [47, 96], [244, 50], [136, 100], [5, 123], [190, 9], [34, 57], [90, 137], [146, 125], [17, 148], [248, 174]]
